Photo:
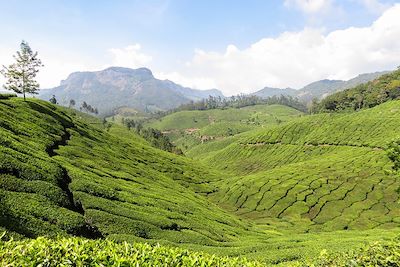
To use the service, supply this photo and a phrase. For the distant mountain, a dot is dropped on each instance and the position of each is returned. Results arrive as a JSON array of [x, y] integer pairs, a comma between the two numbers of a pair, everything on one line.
[[116, 87], [319, 89], [366, 95], [270, 91]]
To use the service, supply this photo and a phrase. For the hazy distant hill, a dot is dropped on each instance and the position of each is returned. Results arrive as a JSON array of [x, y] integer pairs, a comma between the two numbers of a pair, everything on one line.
[[115, 87], [270, 91], [319, 89], [366, 95]]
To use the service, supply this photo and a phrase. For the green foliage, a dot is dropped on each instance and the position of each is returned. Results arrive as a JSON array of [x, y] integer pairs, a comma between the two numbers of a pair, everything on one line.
[[394, 154], [317, 173], [155, 137], [81, 252], [7, 96], [279, 193], [53, 100], [239, 101], [374, 254], [73, 175], [187, 129], [85, 107], [383, 89]]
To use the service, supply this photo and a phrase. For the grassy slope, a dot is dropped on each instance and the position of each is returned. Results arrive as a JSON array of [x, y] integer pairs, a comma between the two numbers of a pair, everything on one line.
[[321, 172], [127, 113], [218, 123], [127, 189], [130, 191]]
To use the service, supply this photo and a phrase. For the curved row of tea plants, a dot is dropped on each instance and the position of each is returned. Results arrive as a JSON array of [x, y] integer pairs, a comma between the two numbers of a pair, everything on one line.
[[320, 172], [75, 177], [64, 173], [190, 128]]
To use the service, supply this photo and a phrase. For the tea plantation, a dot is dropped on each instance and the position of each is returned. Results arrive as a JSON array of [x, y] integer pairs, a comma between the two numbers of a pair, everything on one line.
[[77, 178], [276, 194], [83, 252], [321, 172], [189, 128]]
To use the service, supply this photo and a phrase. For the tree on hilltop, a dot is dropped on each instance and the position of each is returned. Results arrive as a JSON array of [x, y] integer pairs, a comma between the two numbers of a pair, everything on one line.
[[72, 103], [53, 100], [88, 108], [21, 75]]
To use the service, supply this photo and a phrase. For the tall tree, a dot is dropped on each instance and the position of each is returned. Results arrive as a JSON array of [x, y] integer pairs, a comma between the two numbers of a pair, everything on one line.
[[21, 75]]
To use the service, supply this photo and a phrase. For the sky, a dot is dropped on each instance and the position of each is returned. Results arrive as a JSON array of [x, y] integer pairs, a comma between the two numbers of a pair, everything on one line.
[[235, 46]]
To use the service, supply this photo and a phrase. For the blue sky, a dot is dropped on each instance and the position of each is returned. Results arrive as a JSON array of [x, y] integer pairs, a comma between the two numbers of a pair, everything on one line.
[[201, 44]]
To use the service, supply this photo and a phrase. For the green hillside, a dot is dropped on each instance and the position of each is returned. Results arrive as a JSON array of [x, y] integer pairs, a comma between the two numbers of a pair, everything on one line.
[[367, 95], [77, 178], [277, 194], [190, 128], [322, 172]]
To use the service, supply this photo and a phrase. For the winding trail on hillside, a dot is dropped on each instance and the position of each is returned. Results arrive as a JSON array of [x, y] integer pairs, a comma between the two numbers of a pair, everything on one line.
[[87, 230]]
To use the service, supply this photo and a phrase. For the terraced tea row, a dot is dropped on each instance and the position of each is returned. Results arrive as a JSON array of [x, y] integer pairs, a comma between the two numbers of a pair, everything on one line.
[[374, 127], [357, 194], [125, 188], [190, 128], [312, 174], [64, 173]]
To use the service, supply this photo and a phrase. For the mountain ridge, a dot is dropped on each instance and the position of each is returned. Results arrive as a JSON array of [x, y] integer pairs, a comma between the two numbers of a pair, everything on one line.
[[114, 87], [319, 89]]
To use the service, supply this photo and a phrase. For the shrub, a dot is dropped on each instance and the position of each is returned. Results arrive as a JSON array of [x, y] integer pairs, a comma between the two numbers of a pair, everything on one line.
[[83, 252], [7, 96]]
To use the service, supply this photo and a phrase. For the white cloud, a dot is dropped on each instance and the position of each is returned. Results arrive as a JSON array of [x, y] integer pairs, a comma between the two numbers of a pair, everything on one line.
[[194, 82], [57, 66], [130, 56], [56, 69], [374, 6], [294, 59], [309, 6]]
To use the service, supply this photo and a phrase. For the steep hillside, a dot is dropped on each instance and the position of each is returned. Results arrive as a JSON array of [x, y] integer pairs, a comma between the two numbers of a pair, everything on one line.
[[116, 87], [320, 89], [76, 178], [63, 173], [190, 128], [323, 172]]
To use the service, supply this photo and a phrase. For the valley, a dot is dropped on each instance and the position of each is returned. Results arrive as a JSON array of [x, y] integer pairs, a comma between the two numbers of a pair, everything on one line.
[[173, 133], [269, 183], [189, 128]]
